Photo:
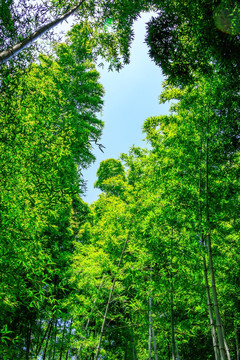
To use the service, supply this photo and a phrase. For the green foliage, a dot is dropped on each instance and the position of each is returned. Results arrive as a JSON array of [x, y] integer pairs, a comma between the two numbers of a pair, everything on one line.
[[48, 117], [188, 38], [67, 269], [111, 177], [167, 201]]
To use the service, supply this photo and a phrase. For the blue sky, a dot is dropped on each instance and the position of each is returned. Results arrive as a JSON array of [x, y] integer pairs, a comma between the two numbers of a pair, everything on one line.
[[131, 96]]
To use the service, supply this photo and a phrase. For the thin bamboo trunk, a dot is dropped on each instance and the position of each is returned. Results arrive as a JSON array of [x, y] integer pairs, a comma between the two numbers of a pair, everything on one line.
[[63, 334], [225, 344], [109, 300], [150, 329], [237, 346], [52, 348], [38, 339], [89, 317], [154, 344], [55, 340], [47, 340], [14, 50], [213, 331], [171, 304], [215, 303], [209, 303], [209, 247], [44, 336], [69, 338]]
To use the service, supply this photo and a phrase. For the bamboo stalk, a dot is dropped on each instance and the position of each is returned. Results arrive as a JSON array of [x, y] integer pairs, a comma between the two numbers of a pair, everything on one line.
[[89, 317], [63, 334], [150, 329], [209, 303], [14, 50], [171, 304], [225, 344], [109, 299], [44, 336], [237, 346], [209, 247], [213, 331], [69, 338], [55, 340], [47, 340], [154, 344]]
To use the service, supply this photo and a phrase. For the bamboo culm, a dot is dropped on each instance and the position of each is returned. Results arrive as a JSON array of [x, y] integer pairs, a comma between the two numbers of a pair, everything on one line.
[[150, 329], [14, 50], [109, 299], [89, 317], [213, 331], [209, 303], [209, 248], [171, 303]]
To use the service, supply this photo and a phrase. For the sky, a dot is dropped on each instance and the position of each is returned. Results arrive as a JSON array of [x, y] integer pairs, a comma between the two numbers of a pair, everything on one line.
[[131, 96]]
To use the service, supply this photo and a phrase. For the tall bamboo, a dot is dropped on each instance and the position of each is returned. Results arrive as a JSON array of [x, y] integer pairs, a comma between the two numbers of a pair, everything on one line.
[[237, 346], [213, 331], [151, 336], [92, 309], [44, 336], [154, 344], [47, 341], [14, 50], [211, 268], [209, 303], [171, 303], [150, 331], [109, 299]]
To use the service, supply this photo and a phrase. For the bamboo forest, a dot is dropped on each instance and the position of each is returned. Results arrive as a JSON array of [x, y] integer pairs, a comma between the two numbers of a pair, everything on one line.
[[151, 269]]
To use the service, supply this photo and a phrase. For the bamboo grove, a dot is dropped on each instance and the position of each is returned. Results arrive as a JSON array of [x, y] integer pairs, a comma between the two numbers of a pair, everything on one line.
[[151, 269]]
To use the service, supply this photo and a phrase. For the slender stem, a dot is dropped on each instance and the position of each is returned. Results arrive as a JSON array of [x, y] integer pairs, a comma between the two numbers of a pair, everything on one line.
[[109, 299], [213, 331], [150, 329], [47, 340], [89, 317], [69, 338], [225, 343], [14, 50], [209, 303], [63, 334], [55, 340], [237, 346], [209, 247], [44, 336], [154, 344], [171, 303]]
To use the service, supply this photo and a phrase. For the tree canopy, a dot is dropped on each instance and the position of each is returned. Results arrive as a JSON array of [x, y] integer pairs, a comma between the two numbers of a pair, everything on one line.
[[151, 268]]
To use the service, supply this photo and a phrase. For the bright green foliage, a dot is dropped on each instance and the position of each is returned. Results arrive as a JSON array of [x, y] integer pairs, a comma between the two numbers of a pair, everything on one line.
[[48, 118], [183, 38], [111, 177], [67, 269], [164, 204], [191, 37]]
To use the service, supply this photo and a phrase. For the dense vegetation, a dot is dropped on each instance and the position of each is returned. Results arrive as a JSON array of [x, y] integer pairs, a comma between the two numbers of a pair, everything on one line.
[[151, 269]]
